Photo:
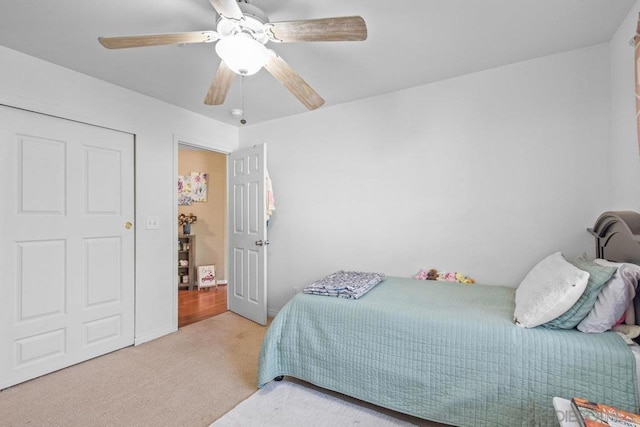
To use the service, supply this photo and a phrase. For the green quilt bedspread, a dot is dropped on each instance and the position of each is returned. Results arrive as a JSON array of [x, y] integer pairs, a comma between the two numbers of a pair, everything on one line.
[[445, 352]]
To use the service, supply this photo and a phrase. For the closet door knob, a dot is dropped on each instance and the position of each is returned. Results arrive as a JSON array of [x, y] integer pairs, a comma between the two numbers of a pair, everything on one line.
[[262, 243]]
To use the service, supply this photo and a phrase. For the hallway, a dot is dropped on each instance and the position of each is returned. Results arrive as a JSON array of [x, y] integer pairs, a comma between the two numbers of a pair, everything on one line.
[[195, 305]]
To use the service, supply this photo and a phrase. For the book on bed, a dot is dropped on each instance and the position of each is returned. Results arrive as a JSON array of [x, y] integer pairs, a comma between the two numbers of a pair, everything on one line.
[[590, 414]]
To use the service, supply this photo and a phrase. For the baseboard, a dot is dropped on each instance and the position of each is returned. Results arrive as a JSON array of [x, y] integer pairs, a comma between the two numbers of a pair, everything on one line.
[[221, 282], [271, 312], [152, 335]]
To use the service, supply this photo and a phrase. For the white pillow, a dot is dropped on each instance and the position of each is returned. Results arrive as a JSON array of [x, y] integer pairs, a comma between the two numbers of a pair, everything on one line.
[[551, 288], [614, 299]]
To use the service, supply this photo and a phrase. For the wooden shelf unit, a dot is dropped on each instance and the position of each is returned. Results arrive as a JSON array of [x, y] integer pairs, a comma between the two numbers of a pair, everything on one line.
[[187, 252]]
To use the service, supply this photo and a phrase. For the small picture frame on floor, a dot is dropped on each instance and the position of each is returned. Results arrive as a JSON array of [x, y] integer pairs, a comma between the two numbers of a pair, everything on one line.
[[207, 276]]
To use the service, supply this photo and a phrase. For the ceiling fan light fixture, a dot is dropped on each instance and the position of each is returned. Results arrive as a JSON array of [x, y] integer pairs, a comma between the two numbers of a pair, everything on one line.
[[242, 53], [242, 31]]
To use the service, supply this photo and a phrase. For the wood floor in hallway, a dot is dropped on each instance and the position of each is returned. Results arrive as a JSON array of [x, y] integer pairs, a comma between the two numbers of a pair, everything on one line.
[[194, 306]]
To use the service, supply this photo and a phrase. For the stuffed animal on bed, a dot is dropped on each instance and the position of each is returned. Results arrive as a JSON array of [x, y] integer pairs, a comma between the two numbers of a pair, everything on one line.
[[433, 274], [455, 277], [426, 274], [447, 277], [461, 278]]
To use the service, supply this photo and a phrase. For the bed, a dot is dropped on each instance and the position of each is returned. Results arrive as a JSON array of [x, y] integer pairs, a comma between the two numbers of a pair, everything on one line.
[[450, 352]]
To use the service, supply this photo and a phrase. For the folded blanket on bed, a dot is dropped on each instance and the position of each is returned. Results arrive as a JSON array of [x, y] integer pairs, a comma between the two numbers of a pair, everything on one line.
[[345, 284]]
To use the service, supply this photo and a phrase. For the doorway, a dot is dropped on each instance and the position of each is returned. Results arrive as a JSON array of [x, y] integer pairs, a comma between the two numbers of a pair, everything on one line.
[[202, 197]]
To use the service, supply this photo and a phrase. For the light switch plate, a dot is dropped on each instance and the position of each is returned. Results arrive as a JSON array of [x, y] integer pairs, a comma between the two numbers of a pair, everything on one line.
[[151, 223]]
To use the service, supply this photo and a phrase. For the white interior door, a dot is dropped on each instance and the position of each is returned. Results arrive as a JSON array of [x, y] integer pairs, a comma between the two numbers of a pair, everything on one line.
[[66, 250], [247, 282]]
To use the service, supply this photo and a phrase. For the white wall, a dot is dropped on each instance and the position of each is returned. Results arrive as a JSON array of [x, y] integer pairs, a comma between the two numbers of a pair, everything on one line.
[[624, 136], [483, 174], [37, 85]]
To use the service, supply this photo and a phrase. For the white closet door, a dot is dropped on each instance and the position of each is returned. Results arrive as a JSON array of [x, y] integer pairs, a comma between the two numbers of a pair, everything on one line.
[[67, 246]]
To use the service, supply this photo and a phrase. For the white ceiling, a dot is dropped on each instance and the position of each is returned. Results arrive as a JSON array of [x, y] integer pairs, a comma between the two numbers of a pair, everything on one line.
[[409, 44]]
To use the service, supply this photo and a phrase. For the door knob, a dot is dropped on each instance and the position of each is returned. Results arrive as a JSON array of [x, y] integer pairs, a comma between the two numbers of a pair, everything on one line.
[[262, 243], [127, 225]]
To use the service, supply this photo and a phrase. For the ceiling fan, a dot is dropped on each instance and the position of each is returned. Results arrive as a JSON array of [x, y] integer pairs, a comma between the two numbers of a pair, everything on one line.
[[241, 34]]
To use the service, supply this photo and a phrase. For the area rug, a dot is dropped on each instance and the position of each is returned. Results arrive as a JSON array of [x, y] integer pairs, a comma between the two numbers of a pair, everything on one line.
[[287, 403]]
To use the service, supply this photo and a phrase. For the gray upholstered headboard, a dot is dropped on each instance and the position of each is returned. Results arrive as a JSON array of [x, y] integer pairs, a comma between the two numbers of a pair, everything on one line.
[[617, 236]]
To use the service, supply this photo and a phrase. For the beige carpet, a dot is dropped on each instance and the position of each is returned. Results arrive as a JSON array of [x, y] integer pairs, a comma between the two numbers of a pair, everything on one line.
[[189, 378]]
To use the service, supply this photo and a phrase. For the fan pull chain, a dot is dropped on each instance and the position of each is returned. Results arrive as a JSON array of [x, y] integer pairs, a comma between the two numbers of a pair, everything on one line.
[[242, 119]]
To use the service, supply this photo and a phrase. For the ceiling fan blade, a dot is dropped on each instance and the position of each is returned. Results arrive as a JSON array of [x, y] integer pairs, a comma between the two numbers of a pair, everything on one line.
[[227, 8], [220, 85], [158, 39], [292, 81], [348, 28]]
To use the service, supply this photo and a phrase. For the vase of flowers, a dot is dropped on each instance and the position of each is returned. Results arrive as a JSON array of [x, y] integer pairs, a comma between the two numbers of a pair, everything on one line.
[[185, 220]]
